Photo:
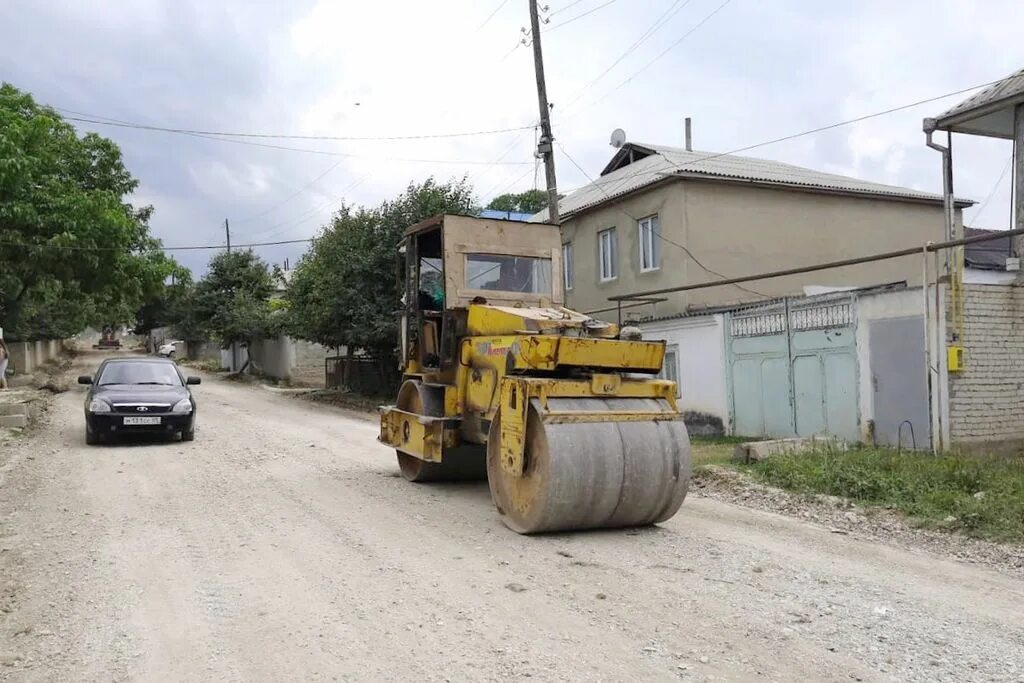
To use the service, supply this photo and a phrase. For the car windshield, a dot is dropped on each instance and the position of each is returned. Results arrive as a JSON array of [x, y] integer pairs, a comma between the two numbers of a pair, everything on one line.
[[140, 373], [525, 274]]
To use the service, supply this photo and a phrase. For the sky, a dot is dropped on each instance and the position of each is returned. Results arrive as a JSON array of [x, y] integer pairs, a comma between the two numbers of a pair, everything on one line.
[[746, 71]]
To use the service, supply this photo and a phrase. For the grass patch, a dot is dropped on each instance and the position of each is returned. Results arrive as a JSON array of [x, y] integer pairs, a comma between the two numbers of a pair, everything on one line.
[[712, 450], [982, 497]]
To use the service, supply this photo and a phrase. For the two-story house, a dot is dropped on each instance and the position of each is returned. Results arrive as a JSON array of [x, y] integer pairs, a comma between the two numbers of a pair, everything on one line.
[[661, 217]]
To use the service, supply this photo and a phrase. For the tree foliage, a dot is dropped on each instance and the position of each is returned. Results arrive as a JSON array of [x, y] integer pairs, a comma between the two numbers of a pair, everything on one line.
[[530, 201], [73, 250], [345, 291], [231, 303]]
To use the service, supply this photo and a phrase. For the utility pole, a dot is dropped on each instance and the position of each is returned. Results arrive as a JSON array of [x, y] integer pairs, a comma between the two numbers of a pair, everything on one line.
[[544, 146], [227, 233]]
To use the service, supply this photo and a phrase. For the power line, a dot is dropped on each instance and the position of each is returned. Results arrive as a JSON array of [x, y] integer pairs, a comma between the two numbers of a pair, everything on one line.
[[657, 232], [562, 9], [995, 188], [292, 196], [92, 118], [820, 129], [491, 15], [661, 54], [68, 247], [665, 17], [306, 150], [580, 16], [286, 225]]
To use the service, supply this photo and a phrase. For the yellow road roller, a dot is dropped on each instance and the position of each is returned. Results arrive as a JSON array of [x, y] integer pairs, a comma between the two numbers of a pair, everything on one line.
[[563, 413]]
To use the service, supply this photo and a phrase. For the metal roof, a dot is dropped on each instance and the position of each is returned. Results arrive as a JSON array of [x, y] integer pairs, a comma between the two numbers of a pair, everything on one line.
[[659, 163], [990, 254], [988, 112]]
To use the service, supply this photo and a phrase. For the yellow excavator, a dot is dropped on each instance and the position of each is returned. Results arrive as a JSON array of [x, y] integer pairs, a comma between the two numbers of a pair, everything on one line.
[[561, 412]]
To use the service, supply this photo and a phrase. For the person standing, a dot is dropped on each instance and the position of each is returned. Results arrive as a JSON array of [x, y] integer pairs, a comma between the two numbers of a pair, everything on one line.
[[5, 355]]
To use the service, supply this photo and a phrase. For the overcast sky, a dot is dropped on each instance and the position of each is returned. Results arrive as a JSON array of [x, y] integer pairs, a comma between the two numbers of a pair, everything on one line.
[[753, 71]]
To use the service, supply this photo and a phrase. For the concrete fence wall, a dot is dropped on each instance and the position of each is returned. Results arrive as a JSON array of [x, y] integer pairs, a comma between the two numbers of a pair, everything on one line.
[[26, 357], [986, 398], [293, 360]]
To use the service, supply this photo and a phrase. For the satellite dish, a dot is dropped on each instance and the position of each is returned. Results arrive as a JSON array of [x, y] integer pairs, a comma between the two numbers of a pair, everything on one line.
[[618, 138]]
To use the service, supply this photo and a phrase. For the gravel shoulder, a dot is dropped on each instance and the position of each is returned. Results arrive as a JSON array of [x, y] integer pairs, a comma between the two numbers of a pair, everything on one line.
[[282, 544]]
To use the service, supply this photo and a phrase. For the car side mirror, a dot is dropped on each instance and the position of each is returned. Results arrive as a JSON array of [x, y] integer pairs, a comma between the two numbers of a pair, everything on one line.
[[194, 380], [85, 379]]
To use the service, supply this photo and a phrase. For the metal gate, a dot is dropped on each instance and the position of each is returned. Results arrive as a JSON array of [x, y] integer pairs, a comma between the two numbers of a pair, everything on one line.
[[899, 382], [793, 368]]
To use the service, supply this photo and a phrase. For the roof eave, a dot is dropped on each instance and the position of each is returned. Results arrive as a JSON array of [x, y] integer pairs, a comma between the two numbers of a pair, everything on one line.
[[960, 121], [690, 175]]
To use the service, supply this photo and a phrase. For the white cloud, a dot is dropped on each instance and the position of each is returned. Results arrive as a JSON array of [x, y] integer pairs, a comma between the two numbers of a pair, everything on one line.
[[753, 72]]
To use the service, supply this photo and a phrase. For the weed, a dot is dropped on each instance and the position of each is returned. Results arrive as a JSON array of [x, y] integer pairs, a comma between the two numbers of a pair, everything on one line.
[[979, 496]]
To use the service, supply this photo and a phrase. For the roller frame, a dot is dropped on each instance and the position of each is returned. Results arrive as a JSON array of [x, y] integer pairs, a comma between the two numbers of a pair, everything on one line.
[[517, 391], [418, 435]]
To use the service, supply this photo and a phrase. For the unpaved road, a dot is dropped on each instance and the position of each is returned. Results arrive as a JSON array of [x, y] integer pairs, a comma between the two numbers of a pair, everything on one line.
[[281, 545]]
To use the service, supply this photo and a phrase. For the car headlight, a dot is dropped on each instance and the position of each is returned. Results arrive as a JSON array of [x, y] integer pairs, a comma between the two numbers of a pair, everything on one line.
[[182, 406], [99, 406]]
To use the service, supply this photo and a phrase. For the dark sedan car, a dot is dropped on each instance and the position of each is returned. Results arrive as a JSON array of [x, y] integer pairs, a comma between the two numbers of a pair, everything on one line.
[[139, 396]]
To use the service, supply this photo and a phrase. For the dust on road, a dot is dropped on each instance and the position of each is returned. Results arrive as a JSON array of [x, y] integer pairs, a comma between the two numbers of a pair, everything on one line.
[[282, 545]]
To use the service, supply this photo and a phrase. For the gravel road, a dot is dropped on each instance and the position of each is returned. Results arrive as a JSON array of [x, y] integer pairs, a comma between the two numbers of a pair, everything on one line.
[[282, 545]]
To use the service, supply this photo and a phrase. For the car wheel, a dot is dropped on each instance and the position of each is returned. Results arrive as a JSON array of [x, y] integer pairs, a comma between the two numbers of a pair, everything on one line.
[[170, 354], [91, 437], [188, 435]]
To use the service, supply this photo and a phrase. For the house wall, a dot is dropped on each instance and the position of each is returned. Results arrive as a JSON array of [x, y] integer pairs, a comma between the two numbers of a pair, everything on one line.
[[701, 371], [738, 229], [986, 399]]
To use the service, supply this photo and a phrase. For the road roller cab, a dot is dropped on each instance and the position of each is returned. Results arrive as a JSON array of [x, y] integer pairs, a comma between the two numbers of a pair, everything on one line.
[[567, 421]]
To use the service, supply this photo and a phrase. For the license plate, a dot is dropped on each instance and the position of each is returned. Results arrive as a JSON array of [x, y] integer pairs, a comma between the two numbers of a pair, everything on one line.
[[141, 420]]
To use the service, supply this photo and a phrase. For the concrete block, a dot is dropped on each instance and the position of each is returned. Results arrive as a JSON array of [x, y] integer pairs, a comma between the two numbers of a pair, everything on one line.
[[22, 357], [756, 451], [14, 409], [13, 421]]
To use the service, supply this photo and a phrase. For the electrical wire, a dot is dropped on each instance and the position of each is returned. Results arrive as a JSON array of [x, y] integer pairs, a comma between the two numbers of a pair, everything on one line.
[[579, 16], [68, 247], [661, 54], [812, 131], [491, 15], [665, 17], [292, 196], [347, 155], [105, 121], [995, 188], [686, 250], [562, 9]]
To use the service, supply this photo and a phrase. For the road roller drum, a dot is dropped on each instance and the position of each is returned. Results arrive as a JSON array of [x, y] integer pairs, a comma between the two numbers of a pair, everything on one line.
[[592, 474]]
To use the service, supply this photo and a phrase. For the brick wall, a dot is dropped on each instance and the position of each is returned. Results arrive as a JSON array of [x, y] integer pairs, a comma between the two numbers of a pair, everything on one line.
[[986, 399]]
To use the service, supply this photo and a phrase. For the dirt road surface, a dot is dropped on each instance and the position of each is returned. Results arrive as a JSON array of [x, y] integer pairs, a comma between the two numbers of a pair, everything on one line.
[[282, 545]]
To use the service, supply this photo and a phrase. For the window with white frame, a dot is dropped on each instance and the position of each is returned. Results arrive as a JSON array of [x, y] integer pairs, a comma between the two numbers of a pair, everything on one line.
[[608, 255], [567, 266], [670, 366], [650, 247]]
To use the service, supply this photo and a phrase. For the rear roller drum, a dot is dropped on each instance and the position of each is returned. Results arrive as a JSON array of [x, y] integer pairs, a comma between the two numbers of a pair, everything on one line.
[[592, 475], [462, 463]]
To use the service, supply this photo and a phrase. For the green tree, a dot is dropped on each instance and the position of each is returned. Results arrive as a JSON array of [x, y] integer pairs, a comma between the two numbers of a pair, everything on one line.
[[164, 307], [530, 201], [345, 291], [73, 250], [231, 303]]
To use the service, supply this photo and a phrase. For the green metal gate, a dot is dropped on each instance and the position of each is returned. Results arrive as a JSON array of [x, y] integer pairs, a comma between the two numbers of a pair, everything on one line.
[[792, 368]]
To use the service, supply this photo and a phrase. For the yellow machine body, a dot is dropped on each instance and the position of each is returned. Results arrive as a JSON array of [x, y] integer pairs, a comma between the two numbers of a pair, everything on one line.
[[566, 419]]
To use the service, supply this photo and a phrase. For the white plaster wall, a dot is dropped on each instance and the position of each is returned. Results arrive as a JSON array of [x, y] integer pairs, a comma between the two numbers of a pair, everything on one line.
[[701, 342]]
